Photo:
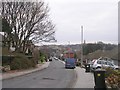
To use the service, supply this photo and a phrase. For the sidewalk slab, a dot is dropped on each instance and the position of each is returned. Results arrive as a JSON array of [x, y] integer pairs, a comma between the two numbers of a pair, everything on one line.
[[84, 80], [19, 73], [61, 61]]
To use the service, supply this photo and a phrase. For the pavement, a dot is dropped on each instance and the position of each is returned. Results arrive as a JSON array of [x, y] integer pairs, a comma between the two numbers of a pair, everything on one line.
[[13, 74], [83, 80]]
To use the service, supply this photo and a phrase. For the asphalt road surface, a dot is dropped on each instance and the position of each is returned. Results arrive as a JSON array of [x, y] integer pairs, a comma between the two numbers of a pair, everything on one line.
[[55, 76]]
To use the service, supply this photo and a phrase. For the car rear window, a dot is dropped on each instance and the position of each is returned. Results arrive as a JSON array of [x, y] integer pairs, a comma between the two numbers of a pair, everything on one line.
[[99, 62], [110, 64]]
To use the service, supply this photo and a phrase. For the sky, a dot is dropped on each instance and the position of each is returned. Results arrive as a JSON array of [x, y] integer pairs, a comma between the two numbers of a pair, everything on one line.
[[99, 19]]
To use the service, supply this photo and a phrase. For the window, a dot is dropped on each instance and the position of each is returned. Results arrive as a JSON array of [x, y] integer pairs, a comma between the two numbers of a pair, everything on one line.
[[110, 64], [99, 62], [105, 63]]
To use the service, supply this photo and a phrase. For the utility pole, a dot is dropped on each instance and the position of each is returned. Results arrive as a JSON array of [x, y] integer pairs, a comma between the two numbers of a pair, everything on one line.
[[81, 46], [69, 49]]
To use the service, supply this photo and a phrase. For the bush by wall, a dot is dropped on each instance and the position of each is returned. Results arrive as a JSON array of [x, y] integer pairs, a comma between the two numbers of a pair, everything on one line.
[[113, 78], [21, 62], [6, 59], [42, 57]]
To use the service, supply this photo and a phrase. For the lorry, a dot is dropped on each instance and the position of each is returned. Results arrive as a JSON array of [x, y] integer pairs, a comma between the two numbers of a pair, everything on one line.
[[70, 61]]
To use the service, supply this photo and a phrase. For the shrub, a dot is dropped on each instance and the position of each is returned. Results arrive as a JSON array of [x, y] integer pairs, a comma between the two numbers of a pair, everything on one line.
[[109, 71], [113, 78], [33, 63], [7, 59], [42, 57], [21, 62]]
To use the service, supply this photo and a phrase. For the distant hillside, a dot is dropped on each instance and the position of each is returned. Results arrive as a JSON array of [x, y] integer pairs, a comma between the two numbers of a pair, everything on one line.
[[92, 47], [87, 48], [106, 53], [90, 50]]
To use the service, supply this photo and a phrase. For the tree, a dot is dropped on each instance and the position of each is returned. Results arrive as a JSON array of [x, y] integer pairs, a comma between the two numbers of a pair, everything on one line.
[[7, 32], [29, 21], [5, 26]]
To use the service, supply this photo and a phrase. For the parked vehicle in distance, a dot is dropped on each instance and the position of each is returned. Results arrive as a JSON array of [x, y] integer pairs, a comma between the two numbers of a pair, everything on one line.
[[70, 63], [50, 59], [101, 63], [55, 58], [78, 62]]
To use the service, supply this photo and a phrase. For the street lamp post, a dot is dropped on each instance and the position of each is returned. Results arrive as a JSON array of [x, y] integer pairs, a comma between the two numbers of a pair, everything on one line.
[[69, 49], [81, 46]]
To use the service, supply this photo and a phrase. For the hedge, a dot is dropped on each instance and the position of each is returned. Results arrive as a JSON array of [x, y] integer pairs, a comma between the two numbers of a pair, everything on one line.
[[21, 62]]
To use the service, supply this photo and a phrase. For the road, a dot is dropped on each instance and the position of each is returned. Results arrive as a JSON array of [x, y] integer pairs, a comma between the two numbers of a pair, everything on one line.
[[55, 76]]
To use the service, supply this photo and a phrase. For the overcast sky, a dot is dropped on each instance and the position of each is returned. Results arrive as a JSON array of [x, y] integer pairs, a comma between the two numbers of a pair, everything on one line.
[[98, 17]]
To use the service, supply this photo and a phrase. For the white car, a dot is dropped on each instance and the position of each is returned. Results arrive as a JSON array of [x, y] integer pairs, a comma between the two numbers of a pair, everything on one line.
[[96, 64], [55, 58]]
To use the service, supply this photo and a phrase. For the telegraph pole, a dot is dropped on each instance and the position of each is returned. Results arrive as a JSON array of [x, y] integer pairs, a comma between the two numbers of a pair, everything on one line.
[[69, 49], [81, 46]]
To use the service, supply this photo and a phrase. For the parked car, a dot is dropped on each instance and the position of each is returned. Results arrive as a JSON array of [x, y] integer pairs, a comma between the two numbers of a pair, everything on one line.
[[98, 63], [55, 58], [78, 62], [50, 59]]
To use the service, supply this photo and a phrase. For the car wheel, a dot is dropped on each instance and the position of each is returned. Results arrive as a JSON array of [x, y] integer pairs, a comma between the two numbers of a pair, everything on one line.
[[116, 68], [66, 67], [98, 68]]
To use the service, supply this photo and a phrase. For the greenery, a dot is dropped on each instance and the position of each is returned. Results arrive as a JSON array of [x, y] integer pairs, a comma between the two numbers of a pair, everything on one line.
[[42, 57], [21, 62], [7, 35], [6, 26], [7, 59], [75, 55], [113, 78], [113, 54], [92, 47], [26, 22]]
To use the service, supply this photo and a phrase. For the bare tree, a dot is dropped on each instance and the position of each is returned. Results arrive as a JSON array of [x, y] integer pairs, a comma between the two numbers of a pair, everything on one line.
[[45, 32], [29, 21]]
